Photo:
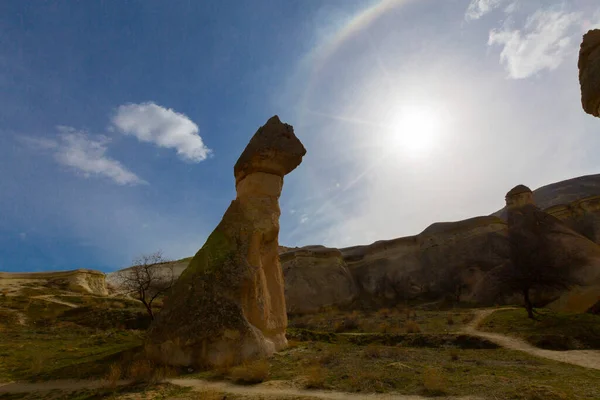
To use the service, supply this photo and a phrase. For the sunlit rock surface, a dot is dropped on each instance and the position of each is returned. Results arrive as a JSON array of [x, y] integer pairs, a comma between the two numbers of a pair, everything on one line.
[[80, 280], [228, 305]]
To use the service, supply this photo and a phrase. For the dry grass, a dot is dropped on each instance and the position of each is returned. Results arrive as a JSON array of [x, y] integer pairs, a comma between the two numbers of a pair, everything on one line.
[[250, 372], [434, 383], [38, 362], [114, 374], [449, 319], [315, 377], [412, 327], [467, 318], [330, 356]]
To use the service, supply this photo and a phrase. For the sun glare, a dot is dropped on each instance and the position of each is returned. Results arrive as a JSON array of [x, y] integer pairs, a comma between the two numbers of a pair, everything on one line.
[[414, 130]]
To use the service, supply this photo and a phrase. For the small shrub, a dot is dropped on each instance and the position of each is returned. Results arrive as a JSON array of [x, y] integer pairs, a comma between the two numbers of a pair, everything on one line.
[[412, 327], [454, 355], [384, 327], [348, 323], [331, 356], [250, 372], [37, 363], [467, 318], [141, 371], [114, 374], [449, 319], [384, 312], [434, 382], [373, 351], [315, 377]]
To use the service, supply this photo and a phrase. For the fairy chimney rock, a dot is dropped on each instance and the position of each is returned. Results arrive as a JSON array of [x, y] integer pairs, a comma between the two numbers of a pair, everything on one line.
[[519, 196], [228, 306], [589, 72]]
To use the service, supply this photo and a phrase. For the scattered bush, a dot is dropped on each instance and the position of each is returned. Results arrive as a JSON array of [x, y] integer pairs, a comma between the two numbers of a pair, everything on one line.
[[315, 377], [434, 383], [467, 318], [412, 327], [454, 355], [449, 319], [114, 374], [250, 372]]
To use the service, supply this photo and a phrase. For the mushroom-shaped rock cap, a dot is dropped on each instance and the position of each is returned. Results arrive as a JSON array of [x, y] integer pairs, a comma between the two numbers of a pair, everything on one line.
[[273, 149], [519, 189], [589, 72]]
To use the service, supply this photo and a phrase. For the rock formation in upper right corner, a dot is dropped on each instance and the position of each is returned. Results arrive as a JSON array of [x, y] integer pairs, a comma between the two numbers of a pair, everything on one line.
[[589, 72]]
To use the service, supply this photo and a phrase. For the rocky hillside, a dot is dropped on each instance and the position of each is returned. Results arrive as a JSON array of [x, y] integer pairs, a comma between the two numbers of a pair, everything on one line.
[[79, 281], [447, 259], [575, 201]]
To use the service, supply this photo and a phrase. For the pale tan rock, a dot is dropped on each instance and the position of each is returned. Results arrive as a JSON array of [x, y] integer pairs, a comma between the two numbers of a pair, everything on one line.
[[80, 280], [316, 277], [228, 305], [519, 196], [589, 72]]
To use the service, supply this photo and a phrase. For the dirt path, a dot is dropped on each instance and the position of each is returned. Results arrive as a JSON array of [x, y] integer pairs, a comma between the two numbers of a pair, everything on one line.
[[270, 389], [583, 358], [64, 385], [50, 298], [285, 389]]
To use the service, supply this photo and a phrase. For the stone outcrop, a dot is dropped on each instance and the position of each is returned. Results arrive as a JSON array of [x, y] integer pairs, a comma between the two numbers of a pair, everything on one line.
[[228, 305], [563, 240], [576, 202], [589, 72], [451, 258], [316, 277], [85, 281], [426, 266]]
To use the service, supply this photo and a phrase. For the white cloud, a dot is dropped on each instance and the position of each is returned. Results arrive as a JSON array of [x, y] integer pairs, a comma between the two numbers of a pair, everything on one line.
[[542, 44], [164, 127], [86, 154], [479, 8]]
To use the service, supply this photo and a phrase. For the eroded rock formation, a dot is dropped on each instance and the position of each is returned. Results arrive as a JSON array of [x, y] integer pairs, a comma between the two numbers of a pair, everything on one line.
[[79, 280], [589, 72], [228, 305], [316, 277]]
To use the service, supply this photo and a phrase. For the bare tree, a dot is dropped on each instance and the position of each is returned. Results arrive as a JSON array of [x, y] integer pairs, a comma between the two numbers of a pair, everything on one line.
[[149, 277], [536, 262]]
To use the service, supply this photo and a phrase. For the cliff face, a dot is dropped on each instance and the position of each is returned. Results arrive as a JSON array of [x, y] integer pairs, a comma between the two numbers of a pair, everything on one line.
[[79, 280], [453, 258], [316, 277]]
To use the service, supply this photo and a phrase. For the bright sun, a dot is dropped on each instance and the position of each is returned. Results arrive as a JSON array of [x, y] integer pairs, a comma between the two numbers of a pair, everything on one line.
[[414, 130]]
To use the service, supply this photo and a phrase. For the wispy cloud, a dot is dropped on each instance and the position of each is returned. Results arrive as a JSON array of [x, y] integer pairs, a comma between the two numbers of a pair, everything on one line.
[[162, 126], [542, 44], [85, 154], [479, 8]]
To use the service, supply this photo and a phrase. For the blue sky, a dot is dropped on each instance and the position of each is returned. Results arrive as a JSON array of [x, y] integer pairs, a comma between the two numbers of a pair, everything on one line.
[[120, 122]]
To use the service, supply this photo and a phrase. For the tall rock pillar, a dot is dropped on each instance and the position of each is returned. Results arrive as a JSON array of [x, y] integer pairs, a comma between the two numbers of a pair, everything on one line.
[[228, 306]]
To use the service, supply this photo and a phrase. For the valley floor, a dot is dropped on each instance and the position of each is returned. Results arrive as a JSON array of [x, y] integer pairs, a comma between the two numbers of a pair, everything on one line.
[[388, 354]]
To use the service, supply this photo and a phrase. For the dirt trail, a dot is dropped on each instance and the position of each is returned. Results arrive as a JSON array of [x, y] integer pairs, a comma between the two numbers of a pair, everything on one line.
[[583, 358], [269, 389], [50, 298], [285, 389], [64, 384]]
